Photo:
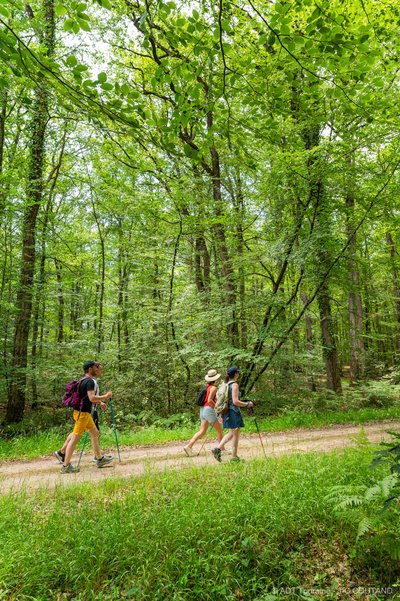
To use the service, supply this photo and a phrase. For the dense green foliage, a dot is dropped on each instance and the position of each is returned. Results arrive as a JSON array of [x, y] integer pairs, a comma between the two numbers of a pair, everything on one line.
[[189, 186], [223, 531]]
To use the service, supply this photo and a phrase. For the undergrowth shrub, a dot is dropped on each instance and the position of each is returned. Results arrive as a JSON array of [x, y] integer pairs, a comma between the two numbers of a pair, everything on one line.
[[150, 418]]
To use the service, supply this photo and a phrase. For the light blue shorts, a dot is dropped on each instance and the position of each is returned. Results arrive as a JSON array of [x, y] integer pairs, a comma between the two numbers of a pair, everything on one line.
[[208, 414]]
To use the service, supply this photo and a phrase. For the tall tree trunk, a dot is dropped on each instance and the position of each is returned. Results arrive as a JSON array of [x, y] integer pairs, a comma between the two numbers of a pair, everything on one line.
[[122, 321], [6, 294], [396, 285], [201, 263], [3, 115], [310, 340], [366, 280], [170, 321], [238, 200], [156, 294], [38, 300], [76, 312], [381, 352], [219, 231], [34, 192], [311, 137], [355, 305], [37, 304], [8, 226], [330, 355], [61, 304], [355, 315], [333, 380], [101, 286]]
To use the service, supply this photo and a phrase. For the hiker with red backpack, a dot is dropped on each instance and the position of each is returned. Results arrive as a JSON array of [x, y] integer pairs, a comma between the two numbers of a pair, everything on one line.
[[82, 395], [232, 417], [206, 401]]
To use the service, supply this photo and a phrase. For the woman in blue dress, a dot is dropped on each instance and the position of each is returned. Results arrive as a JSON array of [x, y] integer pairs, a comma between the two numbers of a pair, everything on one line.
[[232, 420]]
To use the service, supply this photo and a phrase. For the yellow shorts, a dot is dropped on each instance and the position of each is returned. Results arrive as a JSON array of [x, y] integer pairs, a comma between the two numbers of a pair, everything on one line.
[[83, 422]]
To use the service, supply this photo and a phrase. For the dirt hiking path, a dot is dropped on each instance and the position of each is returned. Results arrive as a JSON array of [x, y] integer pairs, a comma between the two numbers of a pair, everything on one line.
[[135, 461]]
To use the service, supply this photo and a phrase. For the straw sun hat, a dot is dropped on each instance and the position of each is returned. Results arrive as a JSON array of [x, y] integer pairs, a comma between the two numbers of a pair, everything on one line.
[[212, 375]]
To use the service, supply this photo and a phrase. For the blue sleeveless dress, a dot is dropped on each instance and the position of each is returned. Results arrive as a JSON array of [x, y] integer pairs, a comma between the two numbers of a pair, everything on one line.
[[233, 418]]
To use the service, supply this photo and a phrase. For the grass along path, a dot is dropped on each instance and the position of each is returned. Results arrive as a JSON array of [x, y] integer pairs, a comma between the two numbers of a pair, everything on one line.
[[45, 472], [257, 531], [43, 443]]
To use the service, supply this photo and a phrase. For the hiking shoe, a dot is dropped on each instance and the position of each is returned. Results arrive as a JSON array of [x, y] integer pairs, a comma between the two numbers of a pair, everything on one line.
[[236, 459], [188, 451], [109, 457], [69, 469], [60, 456], [104, 460], [217, 454]]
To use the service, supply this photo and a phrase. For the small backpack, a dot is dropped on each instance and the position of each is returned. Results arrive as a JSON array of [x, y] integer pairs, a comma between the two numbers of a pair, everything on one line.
[[222, 399], [201, 399], [71, 396]]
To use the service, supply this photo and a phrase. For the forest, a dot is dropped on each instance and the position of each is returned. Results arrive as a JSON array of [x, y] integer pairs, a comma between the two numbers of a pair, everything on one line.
[[187, 185]]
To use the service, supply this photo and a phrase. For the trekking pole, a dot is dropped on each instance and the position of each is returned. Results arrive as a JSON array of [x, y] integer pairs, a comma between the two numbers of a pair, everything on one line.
[[258, 430], [115, 429], [83, 446], [205, 440]]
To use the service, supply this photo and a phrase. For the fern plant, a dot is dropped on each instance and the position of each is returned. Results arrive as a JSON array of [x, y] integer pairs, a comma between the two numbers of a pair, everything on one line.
[[390, 454], [370, 503]]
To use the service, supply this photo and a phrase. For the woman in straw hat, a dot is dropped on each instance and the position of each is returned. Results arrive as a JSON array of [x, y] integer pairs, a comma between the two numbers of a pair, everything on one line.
[[207, 412]]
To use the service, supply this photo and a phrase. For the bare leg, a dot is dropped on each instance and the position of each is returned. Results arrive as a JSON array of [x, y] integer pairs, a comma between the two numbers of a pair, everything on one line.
[[94, 437], [220, 435], [199, 434], [73, 441], [225, 439], [64, 447], [235, 441]]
